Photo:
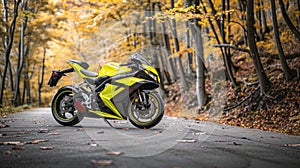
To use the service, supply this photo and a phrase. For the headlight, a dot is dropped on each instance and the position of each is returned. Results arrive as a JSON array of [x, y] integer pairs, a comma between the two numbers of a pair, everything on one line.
[[152, 75]]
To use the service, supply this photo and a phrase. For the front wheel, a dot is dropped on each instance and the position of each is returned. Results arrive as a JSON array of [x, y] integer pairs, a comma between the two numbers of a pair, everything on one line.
[[148, 112], [63, 109]]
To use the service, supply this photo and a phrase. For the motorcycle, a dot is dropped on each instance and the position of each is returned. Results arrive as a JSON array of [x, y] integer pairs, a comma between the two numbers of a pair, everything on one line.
[[116, 92]]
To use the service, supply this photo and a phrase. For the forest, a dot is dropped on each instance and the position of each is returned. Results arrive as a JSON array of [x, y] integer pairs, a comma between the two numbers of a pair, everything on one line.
[[233, 62]]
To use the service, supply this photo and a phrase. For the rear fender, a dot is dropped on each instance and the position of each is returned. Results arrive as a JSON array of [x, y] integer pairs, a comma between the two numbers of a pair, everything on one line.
[[55, 77]]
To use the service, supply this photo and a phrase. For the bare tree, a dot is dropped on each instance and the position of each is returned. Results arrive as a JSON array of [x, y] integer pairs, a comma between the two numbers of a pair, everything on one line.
[[265, 27], [21, 55], [197, 35], [177, 49], [286, 69], [166, 43], [227, 60], [41, 78], [298, 6], [10, 40], [6, 41], [287, 19], [199, 55], [264, 82], [242, 8]]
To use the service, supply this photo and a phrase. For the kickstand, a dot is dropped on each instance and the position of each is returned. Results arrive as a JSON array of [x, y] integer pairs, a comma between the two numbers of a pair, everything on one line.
[[108, 122]]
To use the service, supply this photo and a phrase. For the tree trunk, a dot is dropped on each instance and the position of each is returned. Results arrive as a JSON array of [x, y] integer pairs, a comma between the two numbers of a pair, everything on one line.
[[5, 19], [242, 9], [286, 69], [264, 82], [228, 28], [41, 79], [21, 56], [166, 43], [27, 84], [9, 47], [227, 61], [298, 6], [20, 66], [177, 49], [199, 55], [189, 58], [265, 27], [11, 78], [188, 45], [259, 17], [288, 20]]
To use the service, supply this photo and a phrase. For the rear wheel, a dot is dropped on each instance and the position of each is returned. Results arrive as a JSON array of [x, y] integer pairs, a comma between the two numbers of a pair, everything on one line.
[[146, 110], [63, 109]]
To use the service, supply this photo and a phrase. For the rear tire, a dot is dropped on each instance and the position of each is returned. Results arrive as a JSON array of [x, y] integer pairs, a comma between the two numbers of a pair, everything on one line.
[[63, 109], [150, 117]]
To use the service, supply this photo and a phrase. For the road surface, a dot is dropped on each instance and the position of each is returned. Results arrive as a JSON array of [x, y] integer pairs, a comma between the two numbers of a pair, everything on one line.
[[34, 139]]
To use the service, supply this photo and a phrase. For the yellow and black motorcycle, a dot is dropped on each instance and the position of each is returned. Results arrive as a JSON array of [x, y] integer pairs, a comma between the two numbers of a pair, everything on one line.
[[117, 91]]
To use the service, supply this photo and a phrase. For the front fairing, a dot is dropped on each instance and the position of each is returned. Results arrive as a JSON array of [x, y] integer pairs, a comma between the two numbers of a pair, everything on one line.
[[152, 72]]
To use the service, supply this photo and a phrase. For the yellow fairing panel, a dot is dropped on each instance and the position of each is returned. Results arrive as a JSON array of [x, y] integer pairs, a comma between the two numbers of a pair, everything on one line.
[[129, 81], [153, 70], [103, 114], [107, 94], [113, 68], [111, 91]]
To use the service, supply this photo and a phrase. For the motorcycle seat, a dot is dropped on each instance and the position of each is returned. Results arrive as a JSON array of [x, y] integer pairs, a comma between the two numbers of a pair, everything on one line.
[[81, 63], [88, 73]]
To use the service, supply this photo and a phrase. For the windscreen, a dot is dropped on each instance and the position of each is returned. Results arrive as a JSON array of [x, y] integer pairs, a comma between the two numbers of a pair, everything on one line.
[[136, 57]]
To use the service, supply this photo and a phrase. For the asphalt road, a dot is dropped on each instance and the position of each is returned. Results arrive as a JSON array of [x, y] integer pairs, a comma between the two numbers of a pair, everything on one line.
[[34, 139]]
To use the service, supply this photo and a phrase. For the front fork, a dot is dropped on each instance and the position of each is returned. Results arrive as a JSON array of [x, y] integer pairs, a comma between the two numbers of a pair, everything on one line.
[[143, 100]]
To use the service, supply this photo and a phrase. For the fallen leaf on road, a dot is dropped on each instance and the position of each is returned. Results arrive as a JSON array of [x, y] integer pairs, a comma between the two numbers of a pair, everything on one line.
[[22, 133], [234, 143], [92, 144], [37, 141], [102, 162], [17, 155], [16, 147], [46, 147], [293, 145], [54, 133], [157, 132], [8, 153], [222, 141], [30, 130], [114, 153], [11, 143], [3, 125], [187, 140], [275, 137], [199, 133], [43, 130]]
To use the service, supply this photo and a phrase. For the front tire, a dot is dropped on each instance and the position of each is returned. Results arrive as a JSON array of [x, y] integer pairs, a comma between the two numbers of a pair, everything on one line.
[[146, 118], [63, 109]]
